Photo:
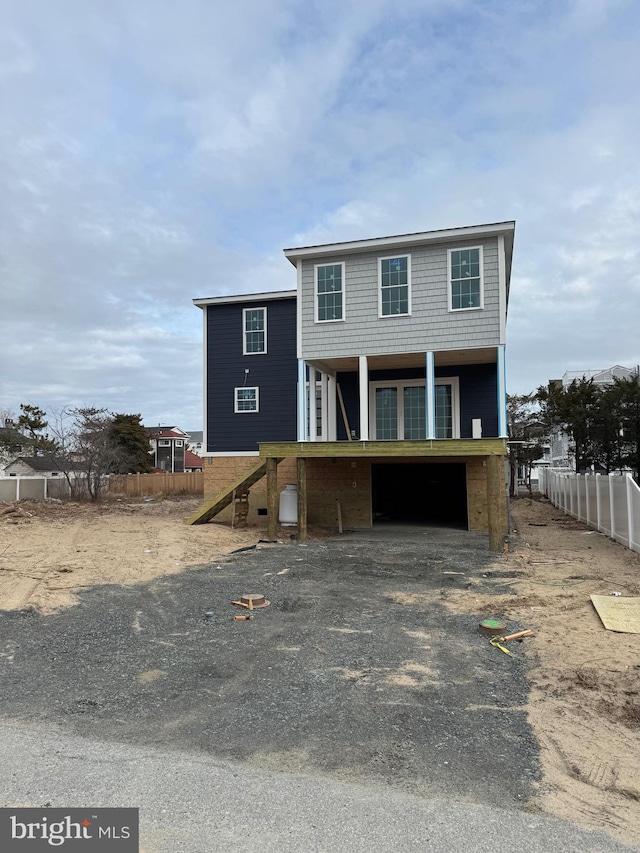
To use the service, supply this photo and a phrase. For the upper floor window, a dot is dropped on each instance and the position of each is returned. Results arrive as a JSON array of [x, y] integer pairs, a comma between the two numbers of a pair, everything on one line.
[[395, 286], [465, 279], [163, 442], [329, 293], [254, 324], [246, 400]]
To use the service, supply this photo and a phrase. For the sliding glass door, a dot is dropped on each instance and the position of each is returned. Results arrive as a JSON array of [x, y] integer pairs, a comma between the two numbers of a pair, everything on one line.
[[399, 410]]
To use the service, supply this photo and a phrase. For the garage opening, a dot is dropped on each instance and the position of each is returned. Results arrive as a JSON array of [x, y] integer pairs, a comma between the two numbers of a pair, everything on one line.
[[434, 494]]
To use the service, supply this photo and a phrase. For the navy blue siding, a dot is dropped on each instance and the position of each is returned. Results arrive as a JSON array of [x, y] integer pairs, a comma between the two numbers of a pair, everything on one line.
[[478, 395], [274, 373]]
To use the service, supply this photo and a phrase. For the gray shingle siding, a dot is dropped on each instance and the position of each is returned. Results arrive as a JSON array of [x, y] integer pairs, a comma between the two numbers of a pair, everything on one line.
[[431, 325]]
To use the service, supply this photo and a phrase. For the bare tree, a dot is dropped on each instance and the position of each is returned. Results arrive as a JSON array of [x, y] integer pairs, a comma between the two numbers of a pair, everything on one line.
[[85, 451]]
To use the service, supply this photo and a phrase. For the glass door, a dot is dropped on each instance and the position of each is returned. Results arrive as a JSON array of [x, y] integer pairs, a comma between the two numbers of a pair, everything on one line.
[[386, 413], [399, 410], [415, 413]]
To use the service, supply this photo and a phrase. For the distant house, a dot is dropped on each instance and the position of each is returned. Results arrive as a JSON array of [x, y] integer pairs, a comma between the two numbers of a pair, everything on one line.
[[168, 446], [34, 466], [559, 453], [12, 443], [192, 462], [195, 441]]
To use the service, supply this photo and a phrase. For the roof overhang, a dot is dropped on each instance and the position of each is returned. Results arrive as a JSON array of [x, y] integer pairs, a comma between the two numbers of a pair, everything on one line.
[[246, 297], [470, 232]]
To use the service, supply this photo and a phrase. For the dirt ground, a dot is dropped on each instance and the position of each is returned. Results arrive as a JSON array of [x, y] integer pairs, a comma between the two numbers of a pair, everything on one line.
[[584, 703], [585, 699], [65, 547]]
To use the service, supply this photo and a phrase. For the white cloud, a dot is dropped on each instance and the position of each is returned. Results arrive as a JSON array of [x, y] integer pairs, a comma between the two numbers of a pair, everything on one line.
[[155, 153]]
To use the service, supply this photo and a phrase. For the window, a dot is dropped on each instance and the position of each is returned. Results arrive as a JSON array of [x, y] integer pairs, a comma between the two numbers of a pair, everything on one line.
[[245, 400], [178, 443], [465, 279], [329, 293], [254, 324], [399, 409], [395, 286], [164, 443]]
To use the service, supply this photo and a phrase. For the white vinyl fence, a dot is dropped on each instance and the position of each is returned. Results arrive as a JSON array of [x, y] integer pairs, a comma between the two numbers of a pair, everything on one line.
[[32, 488], [609, 503]]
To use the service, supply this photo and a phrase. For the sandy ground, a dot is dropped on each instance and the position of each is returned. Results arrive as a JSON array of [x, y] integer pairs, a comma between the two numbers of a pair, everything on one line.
[[64, 547], [585, 698]]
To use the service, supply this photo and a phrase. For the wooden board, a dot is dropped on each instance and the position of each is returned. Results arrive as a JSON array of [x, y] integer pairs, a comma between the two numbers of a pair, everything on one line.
[[618, 613], [463, 447]]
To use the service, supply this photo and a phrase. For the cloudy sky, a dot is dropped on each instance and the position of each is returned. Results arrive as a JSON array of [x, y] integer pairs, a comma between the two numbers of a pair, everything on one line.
[[153, 151]]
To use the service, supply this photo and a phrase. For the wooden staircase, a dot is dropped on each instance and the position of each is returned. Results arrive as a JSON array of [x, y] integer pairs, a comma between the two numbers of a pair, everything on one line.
[[219, 502]]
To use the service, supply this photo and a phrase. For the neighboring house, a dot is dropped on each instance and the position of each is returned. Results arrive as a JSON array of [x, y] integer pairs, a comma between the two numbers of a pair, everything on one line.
[[192, 462], [402, 343], [34, 466], [12, 444], [195, 441], [559, 453], [168, 445]]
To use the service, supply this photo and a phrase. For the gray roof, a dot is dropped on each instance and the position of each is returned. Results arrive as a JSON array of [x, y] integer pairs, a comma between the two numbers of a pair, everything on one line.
[[195, 435], [11, 434], [39, 463]]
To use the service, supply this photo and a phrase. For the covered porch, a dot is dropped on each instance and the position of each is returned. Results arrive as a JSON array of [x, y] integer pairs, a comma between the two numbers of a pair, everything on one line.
[[435, 395]]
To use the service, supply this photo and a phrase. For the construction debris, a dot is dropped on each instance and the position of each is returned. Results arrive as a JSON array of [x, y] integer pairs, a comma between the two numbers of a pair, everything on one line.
[[13, 513], [496, 642]]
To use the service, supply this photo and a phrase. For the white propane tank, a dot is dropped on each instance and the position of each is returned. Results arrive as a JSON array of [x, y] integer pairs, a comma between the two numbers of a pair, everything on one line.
[[288, 515]]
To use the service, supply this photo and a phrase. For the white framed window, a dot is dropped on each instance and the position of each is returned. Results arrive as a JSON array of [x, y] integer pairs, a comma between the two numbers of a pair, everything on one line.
[[398, 410], [254, 331], [178, 443], [329, 293], [246, 400], [466, 281], [163, 442], [394, 291]]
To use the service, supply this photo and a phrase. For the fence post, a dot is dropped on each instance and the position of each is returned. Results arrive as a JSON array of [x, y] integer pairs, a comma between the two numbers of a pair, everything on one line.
[[578, 495], [17, 488], [586, 498], [630, 523], [611, 506], [598, 503]]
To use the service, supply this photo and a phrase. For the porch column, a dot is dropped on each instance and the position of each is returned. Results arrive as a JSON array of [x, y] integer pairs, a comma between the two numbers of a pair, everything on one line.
[[502, 392], [430, 396], [302, 400], [332, 431], [313, 408], [363, 381], [272, 498], [324, 406]]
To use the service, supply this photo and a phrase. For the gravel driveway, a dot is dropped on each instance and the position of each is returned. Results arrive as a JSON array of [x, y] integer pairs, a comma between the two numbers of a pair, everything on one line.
[[356, 670]]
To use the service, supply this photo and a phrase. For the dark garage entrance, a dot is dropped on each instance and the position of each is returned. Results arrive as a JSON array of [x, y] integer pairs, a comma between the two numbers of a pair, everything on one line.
[[420, 493]]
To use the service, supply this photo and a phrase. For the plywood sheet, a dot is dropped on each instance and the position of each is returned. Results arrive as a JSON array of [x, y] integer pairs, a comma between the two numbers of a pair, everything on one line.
[[618, 613]]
